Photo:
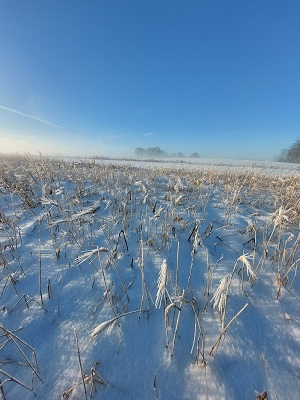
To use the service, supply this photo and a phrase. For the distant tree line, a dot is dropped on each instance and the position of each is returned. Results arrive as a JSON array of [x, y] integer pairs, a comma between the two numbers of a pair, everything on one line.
[[157, 152], [151, 152], [291, 155]]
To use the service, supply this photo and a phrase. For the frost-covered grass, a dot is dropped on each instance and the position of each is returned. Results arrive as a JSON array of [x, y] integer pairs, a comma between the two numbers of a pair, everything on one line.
[[125, 280]]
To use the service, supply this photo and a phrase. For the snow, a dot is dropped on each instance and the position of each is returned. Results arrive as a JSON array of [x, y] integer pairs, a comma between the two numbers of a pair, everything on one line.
[[131, 255], [268, 167]]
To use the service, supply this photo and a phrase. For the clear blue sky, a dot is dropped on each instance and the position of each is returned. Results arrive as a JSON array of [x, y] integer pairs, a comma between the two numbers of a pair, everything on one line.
[[102, 77]]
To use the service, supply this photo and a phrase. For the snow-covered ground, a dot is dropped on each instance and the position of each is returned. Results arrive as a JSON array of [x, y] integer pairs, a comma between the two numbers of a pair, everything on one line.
[[269, 167], [193, 267]]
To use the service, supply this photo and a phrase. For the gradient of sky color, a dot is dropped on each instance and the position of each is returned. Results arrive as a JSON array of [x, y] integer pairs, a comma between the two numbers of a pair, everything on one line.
[[102, 77]]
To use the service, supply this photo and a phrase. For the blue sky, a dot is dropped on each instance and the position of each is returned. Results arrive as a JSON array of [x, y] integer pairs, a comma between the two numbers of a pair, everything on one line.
[[102, 77]]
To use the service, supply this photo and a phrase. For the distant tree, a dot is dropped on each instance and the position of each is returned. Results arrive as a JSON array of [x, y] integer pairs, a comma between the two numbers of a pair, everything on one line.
[[180, 155], [156, 152], [292, 154], [151, 152], [177, 155], [195, 155], [140, 152]]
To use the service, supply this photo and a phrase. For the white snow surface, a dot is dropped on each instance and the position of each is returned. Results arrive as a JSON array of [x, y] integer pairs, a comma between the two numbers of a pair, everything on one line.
[[96, 251]]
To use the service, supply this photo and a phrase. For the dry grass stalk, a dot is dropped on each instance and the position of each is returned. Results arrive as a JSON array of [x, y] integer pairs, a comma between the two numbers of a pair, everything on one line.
[[40, 272], [262, 396], [282, 280], [196, 242], [209, 278], [143, 277], [219, 299], [195, 307], [27, 299], [155, 387], [177, 268], [161, 284], [216, 344], [176, 326], [12, 379], [93, 378], [79, 359], [105, 294], [250, 272], [20, 345], [101, 327], [2, 391], [99, 251]]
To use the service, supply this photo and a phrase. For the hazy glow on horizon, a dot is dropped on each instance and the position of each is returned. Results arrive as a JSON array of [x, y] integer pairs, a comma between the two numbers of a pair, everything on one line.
[[217, 78]]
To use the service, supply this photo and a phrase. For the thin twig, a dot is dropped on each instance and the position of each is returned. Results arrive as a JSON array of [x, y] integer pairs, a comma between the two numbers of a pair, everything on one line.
[[79, 359], [217, 342]]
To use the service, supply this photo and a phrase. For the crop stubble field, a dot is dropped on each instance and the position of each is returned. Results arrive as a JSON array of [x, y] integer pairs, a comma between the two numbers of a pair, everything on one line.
[[148, 280]]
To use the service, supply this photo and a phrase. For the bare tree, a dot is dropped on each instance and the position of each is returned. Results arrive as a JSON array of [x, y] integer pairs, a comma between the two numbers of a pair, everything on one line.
[[292, 154]]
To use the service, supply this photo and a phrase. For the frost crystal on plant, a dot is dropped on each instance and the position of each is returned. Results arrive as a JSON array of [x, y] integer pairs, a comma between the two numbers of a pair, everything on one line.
[[245, 261], [220, 295], [89, 254], [161, 283]]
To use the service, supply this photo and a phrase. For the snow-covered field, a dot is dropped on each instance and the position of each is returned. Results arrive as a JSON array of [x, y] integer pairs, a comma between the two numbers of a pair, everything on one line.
[[134, 280]]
